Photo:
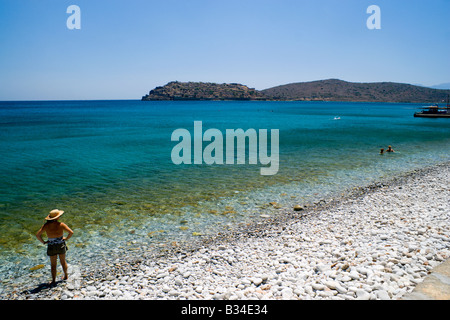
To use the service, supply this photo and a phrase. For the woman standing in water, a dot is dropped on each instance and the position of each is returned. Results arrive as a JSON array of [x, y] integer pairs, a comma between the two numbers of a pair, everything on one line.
[[56, 241]]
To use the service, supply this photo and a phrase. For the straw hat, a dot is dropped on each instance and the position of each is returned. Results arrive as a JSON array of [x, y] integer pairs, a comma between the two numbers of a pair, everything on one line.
[[54, 214]]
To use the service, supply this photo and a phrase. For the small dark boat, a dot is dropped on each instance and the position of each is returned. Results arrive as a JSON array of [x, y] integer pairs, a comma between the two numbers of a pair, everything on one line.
[[434, 111]]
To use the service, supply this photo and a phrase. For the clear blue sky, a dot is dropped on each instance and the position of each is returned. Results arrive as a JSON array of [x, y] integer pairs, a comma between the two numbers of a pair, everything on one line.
[[125, 48]]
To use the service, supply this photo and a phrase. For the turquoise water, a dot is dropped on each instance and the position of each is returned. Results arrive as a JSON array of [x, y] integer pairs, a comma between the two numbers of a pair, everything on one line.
[[108, 165]]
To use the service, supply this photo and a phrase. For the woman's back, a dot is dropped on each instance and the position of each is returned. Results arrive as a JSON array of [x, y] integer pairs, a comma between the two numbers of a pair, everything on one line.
[[54, 229]]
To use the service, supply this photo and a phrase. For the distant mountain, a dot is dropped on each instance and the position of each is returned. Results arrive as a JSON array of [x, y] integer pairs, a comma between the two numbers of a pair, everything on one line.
[[323, 90], [442, 86], [338, 90], [203, 91]]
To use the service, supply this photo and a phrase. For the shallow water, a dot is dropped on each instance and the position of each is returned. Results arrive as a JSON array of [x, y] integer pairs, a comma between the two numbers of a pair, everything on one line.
[[108, 165]]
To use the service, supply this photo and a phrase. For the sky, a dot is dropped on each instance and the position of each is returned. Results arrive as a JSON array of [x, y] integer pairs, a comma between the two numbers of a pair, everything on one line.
[[126, 48]]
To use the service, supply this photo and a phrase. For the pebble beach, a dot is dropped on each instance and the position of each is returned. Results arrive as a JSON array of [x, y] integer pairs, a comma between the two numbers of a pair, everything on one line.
[[375, 243]]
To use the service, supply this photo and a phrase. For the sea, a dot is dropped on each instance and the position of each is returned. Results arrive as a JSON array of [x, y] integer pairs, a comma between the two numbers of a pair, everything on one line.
[[109, 166]]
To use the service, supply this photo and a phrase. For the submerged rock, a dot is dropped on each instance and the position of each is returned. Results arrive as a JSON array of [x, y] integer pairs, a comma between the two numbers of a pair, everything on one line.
[[39, 266]]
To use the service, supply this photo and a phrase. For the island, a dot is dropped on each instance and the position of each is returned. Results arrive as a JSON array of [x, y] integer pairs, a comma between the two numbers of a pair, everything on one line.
[[322, 90], [203, 91]]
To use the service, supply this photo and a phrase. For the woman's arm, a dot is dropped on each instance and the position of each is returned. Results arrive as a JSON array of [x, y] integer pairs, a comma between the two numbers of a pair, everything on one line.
[[39, 234], [65, 227]]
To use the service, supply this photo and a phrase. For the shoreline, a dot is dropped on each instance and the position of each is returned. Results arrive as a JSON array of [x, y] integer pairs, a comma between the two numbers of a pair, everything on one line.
[[218, 267]]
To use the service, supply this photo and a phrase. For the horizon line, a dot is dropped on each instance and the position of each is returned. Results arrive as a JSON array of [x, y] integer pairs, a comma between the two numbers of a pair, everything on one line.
[[130, 99]]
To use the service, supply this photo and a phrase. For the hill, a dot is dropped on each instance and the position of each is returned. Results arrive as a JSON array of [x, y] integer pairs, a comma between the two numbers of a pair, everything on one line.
[[203, 91], [338, 90], [323, 90]]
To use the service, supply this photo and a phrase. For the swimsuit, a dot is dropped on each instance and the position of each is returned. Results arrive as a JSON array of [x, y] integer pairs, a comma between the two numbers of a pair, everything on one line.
[[56, 246]]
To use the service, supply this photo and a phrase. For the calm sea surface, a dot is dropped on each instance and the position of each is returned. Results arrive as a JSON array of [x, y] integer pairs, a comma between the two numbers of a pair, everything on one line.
[[108, 165]]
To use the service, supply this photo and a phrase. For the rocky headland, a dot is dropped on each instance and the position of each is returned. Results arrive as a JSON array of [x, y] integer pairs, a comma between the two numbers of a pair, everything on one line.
[[203, 91]]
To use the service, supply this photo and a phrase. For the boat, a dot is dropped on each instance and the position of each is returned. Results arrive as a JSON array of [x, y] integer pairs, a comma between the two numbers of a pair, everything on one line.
[[434, 111]]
